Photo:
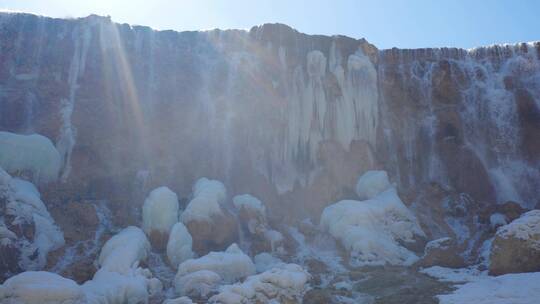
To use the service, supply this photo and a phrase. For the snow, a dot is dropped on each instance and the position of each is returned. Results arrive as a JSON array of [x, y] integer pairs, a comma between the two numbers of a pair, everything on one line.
[[230, 265], [207, 196], [33, 153], [197, 284], [479, 288], [249, 202], [454, 275], [179, 246], [441, 243], [23, 202], [496, 220], [372, 183], [40, 287], [160, 211], [371, 230], [123, 252], [281, 284], [526, 227]]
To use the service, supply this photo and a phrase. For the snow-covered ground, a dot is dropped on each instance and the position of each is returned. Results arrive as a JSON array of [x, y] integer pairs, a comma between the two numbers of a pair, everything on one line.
[[477, 287]]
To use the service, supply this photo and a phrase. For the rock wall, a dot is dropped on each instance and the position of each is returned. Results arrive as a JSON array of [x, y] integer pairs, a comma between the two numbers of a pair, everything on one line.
[[285, 116]]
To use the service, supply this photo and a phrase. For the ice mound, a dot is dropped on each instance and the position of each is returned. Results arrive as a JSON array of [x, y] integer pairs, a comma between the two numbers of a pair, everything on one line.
[[207, 196], [373, 229], [24, 204], [123, 252], [197, 284], [120, 280], [179, 246], [33, 153], [231, 265], [40, 287], [109, 287], [285, 284], [160, 211], [372, 183]]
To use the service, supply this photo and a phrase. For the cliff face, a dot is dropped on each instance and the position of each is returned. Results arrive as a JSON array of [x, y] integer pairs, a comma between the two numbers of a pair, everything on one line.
[[291, 118]]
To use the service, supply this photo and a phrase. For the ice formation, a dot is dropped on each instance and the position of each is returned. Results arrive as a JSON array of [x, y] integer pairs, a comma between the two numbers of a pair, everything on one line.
[[207, 197], [40, 287], [373, 229], [179, 246], [160, 211], [231, 265], [284, 284], [372, 183], [33, 153], [197, 284], [123, 252], [23, 202]]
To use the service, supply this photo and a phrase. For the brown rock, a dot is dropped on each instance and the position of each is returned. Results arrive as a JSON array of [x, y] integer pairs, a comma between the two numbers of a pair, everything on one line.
[[442, 252], [214, 235], [516, 247]]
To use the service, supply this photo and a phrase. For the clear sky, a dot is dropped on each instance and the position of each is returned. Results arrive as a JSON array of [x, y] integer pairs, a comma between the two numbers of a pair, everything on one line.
[[385, 23]]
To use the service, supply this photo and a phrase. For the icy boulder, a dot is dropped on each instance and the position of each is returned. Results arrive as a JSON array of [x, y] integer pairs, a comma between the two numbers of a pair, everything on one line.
[[231, 265], [211, 226], [120, 280], [198, 284], [29, 153], [207, 197], [160, 213], [179, 245], [40, 287], [373, 230], [516, 247], [284, 284], [109, 287], [372, 183], [27, 212], [123, 252]]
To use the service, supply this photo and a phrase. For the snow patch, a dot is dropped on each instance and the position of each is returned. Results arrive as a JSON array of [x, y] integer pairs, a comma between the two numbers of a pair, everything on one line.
[[526, 227]]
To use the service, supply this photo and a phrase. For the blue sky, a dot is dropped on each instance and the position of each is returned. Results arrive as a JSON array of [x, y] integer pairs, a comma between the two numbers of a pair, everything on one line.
[[399, 23]]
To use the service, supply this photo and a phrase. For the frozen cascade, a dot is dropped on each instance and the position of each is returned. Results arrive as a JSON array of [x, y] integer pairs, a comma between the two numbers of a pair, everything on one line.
[[81, 38], [487, 114]]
